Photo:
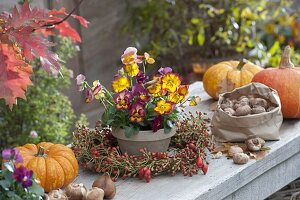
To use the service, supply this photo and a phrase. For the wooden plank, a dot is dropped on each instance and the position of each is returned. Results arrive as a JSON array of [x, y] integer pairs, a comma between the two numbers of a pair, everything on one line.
[[224, 179]]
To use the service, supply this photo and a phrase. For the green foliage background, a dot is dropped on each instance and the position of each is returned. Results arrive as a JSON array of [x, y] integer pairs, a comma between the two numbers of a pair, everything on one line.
[[47, 110]]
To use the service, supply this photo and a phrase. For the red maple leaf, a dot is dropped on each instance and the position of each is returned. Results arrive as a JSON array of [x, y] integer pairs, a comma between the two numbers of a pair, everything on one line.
[[64, 28], [26, 16], [35, 46], [14, 75]]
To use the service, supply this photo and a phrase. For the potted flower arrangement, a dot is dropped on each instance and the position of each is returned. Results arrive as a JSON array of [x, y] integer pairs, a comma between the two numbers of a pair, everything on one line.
[[140, 110]]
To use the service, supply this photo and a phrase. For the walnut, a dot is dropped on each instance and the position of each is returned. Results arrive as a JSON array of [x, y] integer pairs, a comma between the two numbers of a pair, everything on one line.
[[270, 108], [229, 111], [240, 158], [234, 149], [258, 109], [254, 143], [259, 102], [243, 110]]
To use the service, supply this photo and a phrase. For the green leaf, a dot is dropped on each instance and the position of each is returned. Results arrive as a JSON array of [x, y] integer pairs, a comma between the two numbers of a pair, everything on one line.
[[36, 189], [275, 47], [130, 130], [8, 176], [4, 184], [200, 38], [9, 166]]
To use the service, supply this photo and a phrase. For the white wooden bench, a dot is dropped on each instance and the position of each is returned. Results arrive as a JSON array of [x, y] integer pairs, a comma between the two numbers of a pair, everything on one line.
[[224, 180]]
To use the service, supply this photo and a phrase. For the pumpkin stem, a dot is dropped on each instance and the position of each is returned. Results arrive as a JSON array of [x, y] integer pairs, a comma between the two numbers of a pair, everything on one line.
[[242, 63], [41, 152], [285, 61]]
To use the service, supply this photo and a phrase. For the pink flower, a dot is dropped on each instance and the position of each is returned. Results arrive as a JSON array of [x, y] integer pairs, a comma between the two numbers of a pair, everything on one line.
[[33, 134], [165, 70], [79, 82], [137, 112], [122, 99], [129, 56], [12, 155], [141, 92]]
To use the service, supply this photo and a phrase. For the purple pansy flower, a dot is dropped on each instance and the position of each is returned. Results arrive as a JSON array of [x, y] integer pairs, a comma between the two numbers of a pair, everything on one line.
[[79, 82], [24, 176], [12, 154], [165, 70], [137, 112], [141, 77], [122, 99], [89, 96], [157, 123], [141, 92]]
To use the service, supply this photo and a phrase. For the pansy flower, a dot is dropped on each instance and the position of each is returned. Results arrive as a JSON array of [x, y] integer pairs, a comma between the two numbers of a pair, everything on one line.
[[132, 69], [137, 112], [89, 96], [156, 90], [194, 100], [165, 70], [24, 176], [163, 107], [97, 89], [148, 59], [141, 92], [170, 82], [120, 83], [141, 77], [122, 99], [129, 56], [157, 123], [12, 155], [179, 95]]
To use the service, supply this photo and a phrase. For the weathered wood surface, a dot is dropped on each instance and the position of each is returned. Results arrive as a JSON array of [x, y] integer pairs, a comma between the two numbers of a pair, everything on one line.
[[224, 180]]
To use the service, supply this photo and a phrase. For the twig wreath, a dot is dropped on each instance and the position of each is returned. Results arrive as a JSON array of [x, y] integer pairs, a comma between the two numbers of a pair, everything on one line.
[[97, 150]]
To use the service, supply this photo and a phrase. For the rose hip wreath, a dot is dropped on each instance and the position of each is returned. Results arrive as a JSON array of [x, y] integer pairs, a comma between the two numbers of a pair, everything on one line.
[[97, 150]]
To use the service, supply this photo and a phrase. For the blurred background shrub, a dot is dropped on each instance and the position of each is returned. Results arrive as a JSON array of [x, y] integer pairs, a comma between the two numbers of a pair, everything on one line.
[[194, 34]]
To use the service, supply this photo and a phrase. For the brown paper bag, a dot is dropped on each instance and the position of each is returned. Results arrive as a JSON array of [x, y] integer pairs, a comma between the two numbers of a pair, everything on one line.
[[266, 125]]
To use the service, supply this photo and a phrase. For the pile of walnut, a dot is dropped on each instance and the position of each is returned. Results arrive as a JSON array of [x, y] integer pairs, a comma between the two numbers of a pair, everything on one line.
[[103, 187], [253, 144], [246, 105]]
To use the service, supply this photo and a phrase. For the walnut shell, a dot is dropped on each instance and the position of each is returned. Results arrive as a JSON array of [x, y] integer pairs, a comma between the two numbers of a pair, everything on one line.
[[229, 111], [270, 108], [234, 149], [240, 158], [259, 102], [243, 110], [227, 104], [254, 143], [258, 109]]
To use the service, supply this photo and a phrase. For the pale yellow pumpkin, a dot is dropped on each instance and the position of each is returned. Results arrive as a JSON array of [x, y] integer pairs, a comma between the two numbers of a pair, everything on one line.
[[228, 75]]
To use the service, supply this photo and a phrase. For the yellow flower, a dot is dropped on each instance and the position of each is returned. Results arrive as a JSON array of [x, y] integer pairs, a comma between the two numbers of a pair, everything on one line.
[[149, 60], [132, 69], [179, 95], [170, 82], [163, 107], [129, 56], [155, 90], [194, 100], [120, 83]]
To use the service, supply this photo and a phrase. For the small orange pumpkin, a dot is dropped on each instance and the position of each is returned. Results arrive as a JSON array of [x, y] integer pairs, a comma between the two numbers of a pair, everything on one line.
[[55, 165], [286, 80], [228, 75]]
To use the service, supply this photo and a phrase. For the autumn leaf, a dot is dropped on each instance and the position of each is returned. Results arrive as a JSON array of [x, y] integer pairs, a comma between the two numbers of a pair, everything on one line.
[[66, 30], [35, 46], [26, 16], [14, 75]]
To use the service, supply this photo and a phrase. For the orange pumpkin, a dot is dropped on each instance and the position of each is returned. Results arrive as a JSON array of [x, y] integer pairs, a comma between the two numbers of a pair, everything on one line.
[[55, 165], [228, 75], [286, 80]]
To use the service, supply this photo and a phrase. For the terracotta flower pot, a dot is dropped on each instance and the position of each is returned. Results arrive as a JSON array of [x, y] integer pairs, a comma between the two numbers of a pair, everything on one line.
[[154, 142]]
